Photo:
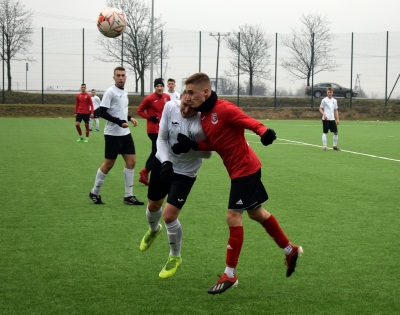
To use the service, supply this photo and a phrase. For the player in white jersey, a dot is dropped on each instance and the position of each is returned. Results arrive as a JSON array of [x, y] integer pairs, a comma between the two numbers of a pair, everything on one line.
[[96, 103], [172, 174], [174, 95], [118, 138], [329, 111]]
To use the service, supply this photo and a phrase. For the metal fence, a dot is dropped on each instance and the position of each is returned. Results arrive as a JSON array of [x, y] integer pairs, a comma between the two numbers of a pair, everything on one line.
[[66, 58]]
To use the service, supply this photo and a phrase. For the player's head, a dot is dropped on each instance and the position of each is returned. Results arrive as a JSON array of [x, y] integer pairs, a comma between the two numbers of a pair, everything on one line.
[[171, 85], [329, 91], [186, 110], [159, 85], [120, 77], [198, 88], [83, 88], [93, 92]]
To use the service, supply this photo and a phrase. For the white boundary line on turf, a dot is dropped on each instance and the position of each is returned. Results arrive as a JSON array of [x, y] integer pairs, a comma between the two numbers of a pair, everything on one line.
[[318, 146]]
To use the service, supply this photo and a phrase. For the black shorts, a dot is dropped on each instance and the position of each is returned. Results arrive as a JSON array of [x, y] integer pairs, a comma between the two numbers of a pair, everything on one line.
[[329, 125], [118, 145], [247, 193], [84, 117], [96, 113], [177, 190]]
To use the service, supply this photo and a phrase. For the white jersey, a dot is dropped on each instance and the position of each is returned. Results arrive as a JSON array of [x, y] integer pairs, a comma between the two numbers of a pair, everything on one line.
[[329, 105], [174, 95], [96, 102], [116, 102], [171, 124]]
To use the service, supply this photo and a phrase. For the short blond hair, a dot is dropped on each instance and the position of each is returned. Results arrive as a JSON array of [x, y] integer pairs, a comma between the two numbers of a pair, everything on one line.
[[330, 89], [199, 78]]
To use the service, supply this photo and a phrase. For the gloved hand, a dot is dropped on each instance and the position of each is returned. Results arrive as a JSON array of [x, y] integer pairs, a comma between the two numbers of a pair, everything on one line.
[[186, 143], [166, 171], [154, 119], [268, 137], [177, 148]]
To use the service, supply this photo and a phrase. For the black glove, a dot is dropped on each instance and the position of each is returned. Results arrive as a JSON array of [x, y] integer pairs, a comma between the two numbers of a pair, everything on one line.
[[268, 137], [166, 171], [177, 148], [186, 143], [154, 119]]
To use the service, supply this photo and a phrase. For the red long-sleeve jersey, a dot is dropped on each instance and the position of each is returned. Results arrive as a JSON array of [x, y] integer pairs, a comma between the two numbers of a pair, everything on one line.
[[153, 105], [84, 104], [224, 127]]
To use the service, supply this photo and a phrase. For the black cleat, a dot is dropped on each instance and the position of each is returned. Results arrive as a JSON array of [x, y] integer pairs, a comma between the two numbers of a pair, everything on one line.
[[96, 199], [132, 200], [224, 283], [336, 149]]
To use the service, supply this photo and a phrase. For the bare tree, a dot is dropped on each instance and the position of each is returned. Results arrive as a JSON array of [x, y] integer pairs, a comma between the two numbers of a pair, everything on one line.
[[18, 28], [135, 41], [300, 64], [253, 48]]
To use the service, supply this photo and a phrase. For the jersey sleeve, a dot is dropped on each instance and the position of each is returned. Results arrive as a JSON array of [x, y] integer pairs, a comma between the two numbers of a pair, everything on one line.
[[76, 104], [240, 119], [107, 98], [142, 107]]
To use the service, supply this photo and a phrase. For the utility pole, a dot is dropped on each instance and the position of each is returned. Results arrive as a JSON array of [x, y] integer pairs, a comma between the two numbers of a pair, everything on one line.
[[218, 36]]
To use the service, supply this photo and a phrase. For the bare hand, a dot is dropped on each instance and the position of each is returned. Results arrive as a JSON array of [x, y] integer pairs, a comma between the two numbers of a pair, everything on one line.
[[337, 122], [134, 122], [125, 125], [91, 115], [325, 117]]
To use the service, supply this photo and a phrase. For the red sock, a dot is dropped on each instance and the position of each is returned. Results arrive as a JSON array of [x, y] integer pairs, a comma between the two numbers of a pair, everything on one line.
[[79, 130], [235, 242], [87, 130], [272, 227]]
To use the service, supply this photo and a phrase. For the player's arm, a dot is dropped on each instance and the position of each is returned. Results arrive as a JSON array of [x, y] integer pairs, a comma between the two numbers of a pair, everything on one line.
[[104, 106], [91, 106], [143, 108], [337, 116], [321, 110]]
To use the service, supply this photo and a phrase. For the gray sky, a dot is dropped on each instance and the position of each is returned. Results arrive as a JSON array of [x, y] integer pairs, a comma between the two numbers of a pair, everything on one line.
[[225, 15]]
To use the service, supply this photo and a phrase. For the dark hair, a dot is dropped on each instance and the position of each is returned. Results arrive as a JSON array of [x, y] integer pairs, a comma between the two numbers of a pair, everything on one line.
[[199, 78], [330, 89], [83, 84], [93, 90], [171, 80], [119, 69]]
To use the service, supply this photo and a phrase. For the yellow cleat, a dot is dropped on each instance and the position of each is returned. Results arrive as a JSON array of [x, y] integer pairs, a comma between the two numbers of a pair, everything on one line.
[[149, 238], [170, 267]]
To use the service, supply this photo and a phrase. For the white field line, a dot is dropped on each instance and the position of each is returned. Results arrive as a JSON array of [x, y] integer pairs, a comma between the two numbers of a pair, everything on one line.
[[319, 146]]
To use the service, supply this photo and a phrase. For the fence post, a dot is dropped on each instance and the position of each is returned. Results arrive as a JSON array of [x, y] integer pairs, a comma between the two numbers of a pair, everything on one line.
[[312, 72], [161, 52], [238, 86], [42, 66], [276, 68], [351, 71], [200, 51], [387, 57], [122, 49], [3, 95], [83, 55]]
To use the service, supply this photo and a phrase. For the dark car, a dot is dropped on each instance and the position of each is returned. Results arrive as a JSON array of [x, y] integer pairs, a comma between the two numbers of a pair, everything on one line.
[[319, 90]]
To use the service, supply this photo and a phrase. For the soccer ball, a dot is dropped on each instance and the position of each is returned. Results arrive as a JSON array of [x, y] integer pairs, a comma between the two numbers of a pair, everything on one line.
[[111, 22]]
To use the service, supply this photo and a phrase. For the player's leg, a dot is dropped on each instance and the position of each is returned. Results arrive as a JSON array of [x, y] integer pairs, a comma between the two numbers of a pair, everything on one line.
[[96, 118], [90, 124], [78, 120], [129, 154], [335, 136], [144, 173], [97, 123], [178, 194], [86, 118], [325, 129], [156, 193]]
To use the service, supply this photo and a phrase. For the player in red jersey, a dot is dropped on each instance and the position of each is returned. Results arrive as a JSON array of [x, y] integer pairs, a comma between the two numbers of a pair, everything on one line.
[[224, 123], [84, 110], [151, 109]]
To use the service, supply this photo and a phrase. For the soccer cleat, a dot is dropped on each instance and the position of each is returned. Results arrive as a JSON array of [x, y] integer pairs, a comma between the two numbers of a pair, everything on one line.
[[144, 177], [86, 140], [90, 130], [80, 139], [170, 267], [149, 238], [325, 148], [224, 283], [97, 130], [291, 259], [336, 148], [96, 199], [132, 200]]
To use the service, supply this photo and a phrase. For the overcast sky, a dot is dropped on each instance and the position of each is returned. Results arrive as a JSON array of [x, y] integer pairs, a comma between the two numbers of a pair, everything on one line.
[[361, 16]]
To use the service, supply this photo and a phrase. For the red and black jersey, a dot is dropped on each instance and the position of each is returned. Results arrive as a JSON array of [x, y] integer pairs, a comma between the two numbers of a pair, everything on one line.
[[153, 105], [84, 104], [224, 127]]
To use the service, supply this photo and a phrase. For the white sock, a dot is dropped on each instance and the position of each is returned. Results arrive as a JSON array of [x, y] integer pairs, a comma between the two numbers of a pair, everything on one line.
[[98, 182], [90, 123], [324, 139], [153, 218], [174, 232], [335, 139], [287, 250], [230, 272], [97, 123], [128, 176]]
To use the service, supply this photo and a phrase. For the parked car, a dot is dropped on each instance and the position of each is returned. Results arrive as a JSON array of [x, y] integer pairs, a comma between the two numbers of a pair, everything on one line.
[[319, 90]]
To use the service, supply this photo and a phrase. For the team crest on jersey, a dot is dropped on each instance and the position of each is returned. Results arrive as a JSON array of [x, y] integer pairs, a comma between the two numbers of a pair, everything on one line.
[[214, 118]]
